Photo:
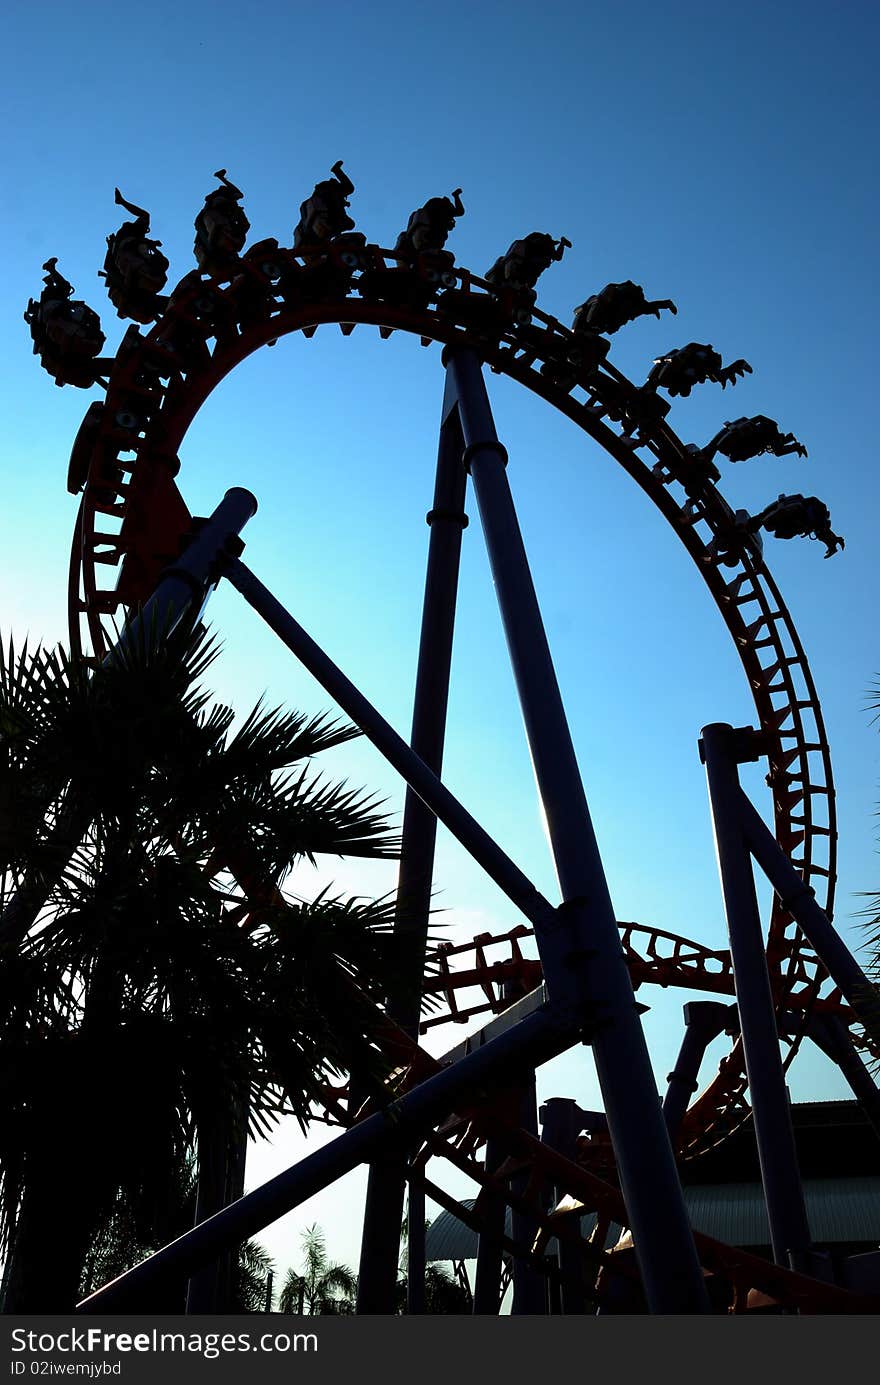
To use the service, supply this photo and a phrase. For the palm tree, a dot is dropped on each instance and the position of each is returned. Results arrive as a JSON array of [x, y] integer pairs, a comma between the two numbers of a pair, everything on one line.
[[253, 1273], [321, 1287], [151, 1007]]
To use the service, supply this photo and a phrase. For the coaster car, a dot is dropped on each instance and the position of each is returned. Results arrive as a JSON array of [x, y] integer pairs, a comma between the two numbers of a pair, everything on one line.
[[135, 269], [66, 332]]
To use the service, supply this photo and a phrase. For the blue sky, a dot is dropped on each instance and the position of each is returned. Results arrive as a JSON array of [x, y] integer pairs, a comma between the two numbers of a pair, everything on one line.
[[720, 158]]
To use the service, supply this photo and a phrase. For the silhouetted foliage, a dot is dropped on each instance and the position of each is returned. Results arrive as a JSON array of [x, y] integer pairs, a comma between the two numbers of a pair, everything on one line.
[[131, 1233], [143, 997], [443, 1293]]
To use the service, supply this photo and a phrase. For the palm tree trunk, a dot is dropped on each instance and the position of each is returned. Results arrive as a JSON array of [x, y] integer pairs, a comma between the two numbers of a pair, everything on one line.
[[222, 1148], [52, 1236]]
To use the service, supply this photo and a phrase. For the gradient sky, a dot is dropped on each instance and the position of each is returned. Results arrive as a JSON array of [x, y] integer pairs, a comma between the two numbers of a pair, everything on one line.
[[718, 157]]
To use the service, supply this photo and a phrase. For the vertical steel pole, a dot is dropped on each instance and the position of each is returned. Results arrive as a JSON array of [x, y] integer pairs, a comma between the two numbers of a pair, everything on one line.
[[380, 1242], [529, 1285], [786, 1212], [415, 1248], [487, 1278], [559, 1131], [649, 1179], [447, 521]]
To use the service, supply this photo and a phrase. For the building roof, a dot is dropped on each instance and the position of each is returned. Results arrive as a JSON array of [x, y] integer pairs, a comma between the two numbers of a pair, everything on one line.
[[839, 1210], [833, 1139]]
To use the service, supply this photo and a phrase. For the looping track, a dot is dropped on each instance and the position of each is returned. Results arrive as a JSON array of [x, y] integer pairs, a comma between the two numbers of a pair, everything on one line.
[[132, 521]]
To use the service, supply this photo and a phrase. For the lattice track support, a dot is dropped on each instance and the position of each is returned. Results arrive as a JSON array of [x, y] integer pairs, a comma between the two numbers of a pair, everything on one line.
[[126, 455], [213, 321], [530, 1042], [566, 936], [668, 1260]]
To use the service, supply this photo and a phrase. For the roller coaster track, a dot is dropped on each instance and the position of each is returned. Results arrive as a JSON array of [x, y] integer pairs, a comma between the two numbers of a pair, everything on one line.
[[132, 521]]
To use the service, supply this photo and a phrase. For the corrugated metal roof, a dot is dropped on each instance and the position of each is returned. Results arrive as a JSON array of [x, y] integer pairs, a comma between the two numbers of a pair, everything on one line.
[[840, 1210], [447, 1238]]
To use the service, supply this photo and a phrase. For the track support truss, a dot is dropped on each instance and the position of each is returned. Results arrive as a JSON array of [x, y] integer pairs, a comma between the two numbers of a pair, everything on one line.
[[587, 995]]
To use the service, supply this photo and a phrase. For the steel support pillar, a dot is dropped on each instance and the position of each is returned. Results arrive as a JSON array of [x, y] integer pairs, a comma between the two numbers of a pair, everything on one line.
[[559, 1131], [799, 899], [786, 1212], [535, 1040], [487, 1277], [586, 969], [380, 1242], [704, 1020], [529, 1285], [447, 521]]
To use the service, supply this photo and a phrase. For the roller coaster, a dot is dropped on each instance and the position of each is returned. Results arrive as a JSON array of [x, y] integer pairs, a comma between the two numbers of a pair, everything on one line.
[[138, 548]]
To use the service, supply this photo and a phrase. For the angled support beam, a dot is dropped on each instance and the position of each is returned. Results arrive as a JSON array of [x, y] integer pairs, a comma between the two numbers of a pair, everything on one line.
[[496, 863], [786, 1210], [830, 1034], [536, 1040], [800, 901], [584, 966]]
